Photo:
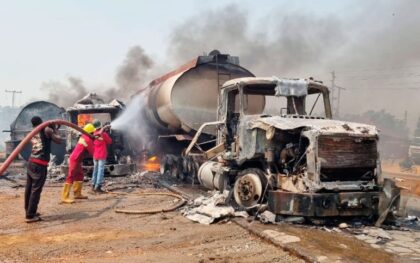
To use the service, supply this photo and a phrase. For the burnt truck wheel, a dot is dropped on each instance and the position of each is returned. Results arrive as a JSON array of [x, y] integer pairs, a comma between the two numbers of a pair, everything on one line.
[[248, 188]]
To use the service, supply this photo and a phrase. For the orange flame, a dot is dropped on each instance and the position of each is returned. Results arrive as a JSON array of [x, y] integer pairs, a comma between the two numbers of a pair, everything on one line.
[[152, 164], [83, 119]]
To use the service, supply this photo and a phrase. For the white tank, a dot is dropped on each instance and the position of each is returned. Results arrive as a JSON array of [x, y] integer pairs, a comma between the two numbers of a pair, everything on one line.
[[187, 97]]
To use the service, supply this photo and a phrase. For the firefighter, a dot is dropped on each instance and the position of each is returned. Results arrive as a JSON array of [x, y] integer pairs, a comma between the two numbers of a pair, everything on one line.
[[102, 140], [37, 167], [75, 175]]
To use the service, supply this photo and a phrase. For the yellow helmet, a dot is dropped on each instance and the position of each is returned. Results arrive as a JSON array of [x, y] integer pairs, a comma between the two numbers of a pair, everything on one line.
[[89, 128]]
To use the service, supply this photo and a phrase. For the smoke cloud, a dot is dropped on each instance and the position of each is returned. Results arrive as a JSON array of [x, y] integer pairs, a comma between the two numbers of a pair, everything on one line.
[[133, 73], [372, 52], [289, 42], [130, 76], [375, 52], [64, 94]]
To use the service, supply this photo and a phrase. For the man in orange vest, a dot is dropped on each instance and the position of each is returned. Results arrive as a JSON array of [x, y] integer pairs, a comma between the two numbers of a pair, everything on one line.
[[75, 175]]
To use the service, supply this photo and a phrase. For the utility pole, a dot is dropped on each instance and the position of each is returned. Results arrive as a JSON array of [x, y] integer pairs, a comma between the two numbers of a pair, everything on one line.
[[14, 92], [333, 108], [335, 99], [337, 110]]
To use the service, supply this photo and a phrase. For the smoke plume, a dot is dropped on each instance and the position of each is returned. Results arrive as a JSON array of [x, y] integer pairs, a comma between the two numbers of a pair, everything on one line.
[[372, 52], [130, 76], [65, 94], [133, 73], [290, 41]]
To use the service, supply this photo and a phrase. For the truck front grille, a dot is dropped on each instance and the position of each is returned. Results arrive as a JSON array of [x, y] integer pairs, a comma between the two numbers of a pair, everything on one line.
[[347, 158]]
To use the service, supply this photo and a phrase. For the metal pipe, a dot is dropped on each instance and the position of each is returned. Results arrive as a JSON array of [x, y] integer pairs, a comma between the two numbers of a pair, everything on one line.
[[29, 136]]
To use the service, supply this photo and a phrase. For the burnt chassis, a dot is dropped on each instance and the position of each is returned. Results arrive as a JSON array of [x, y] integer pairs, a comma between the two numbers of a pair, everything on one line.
[[118, 161], [324, 204], [242, 148]]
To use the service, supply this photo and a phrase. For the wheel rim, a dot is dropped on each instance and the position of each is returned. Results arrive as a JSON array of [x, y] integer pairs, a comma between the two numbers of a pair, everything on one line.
[[248, 190]]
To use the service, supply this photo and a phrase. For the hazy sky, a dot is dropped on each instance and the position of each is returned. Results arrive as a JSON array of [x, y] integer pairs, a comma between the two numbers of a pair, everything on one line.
[[50, 40], [374, 46]]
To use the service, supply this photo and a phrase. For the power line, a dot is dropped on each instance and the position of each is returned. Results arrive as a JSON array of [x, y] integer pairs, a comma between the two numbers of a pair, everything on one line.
[[387, 76], [400, 84], [377, 69], [385, 88]]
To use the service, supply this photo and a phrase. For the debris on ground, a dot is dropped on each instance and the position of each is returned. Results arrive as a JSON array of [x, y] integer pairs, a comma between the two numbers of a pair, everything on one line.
[[294, 219], [410, 221], [378, 233], [343, 225], [55, 173], [207, 210], [267, 217]]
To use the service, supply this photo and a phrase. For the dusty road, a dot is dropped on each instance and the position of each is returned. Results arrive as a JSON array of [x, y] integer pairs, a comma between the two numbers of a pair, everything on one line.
[[90, 231]]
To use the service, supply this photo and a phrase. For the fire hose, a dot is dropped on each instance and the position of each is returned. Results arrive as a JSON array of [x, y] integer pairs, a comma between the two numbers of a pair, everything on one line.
[[35, 131], [39, 128], [181, 202]]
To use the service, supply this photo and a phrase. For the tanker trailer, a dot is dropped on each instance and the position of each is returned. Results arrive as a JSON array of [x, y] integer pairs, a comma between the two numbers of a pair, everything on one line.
[[21, 126], [179, 102]]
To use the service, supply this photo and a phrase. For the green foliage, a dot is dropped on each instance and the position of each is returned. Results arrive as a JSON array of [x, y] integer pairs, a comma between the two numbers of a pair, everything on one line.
[[387, 123]]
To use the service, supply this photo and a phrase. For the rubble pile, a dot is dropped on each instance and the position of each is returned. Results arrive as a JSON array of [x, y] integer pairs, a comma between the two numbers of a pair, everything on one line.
[[142, 179], [208, 210], [55, 172]]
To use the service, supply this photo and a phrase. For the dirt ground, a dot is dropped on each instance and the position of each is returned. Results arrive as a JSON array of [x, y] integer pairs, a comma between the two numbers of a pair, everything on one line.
[[91, 231]]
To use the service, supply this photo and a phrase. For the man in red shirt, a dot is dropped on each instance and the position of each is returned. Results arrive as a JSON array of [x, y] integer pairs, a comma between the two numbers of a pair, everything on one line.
[[75, 174], [102, 140]]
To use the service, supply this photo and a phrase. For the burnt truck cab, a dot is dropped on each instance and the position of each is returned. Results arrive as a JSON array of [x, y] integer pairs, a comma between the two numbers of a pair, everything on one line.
[[118, 161], [291, 153]]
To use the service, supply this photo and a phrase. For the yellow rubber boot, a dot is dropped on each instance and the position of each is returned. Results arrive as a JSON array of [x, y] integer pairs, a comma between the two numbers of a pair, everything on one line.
[[65, 195], [77, 185]]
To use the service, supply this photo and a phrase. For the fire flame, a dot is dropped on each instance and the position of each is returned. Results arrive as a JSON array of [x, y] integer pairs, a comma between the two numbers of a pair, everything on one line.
[[83, 119], [152, 164]]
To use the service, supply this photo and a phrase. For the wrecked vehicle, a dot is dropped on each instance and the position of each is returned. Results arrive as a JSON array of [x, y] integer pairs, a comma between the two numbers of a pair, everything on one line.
[[302, 164], [21, 126], [266, 140], [299, 163], [86, 110]]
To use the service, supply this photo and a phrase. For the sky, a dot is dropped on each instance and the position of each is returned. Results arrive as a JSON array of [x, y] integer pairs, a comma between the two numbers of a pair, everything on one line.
[[50, 40], [373, 46]]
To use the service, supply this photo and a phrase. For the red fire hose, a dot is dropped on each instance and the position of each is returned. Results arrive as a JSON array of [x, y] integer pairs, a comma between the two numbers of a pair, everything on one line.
[[28, 137]]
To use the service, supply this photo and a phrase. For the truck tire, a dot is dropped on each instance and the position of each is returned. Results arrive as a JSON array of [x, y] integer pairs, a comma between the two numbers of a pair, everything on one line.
[[249, 188]]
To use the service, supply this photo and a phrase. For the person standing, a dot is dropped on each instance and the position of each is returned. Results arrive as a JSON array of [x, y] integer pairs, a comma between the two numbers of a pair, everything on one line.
[[37, 167], [102, 140], [75, 175]]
